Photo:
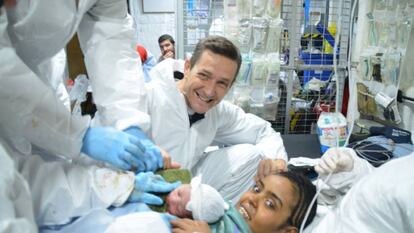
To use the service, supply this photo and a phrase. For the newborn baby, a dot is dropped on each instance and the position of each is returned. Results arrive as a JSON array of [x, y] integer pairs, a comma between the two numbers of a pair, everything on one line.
[[197, 201]]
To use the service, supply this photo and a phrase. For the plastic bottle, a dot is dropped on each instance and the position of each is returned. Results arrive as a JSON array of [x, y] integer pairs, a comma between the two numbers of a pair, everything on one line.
[[332, 130]]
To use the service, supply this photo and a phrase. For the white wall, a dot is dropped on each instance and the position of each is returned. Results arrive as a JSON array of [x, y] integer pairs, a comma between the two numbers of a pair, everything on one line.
[[150, 26]]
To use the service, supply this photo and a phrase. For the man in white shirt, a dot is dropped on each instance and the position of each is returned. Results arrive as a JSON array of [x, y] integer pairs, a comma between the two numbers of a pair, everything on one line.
[[189, 115]]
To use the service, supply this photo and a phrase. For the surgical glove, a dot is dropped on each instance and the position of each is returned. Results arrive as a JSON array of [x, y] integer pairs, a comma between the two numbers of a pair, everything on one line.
[[146, 182], [112, 146], [166, 217], [152, 156], [335, 160]]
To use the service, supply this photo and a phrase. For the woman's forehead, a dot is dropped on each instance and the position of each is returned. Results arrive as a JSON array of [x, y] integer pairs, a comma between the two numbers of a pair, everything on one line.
[[276, 180], [280, 186]]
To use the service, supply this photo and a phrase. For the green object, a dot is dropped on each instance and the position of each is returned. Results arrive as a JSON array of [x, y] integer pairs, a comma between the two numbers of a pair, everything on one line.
[[171, 175], [231, 221]]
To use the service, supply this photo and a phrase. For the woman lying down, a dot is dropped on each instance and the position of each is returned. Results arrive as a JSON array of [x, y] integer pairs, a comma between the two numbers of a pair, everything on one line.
[[356, 198], [277, 203]]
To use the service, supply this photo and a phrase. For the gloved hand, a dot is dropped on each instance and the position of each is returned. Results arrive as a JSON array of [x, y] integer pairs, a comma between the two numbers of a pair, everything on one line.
[[146, 182], [112, 146], [152, 156], [335, 160], [166, 217]]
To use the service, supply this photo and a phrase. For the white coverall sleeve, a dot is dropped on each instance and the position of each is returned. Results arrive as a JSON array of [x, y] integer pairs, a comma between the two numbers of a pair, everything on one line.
[[30, 110], [236, 127], [55, 71], [333, 191], [380, 202], [62, 190], [339, 183], [108, 42], [16, 210]]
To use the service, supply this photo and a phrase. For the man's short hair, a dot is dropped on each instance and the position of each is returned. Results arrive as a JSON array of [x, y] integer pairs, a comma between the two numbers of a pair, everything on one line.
[[166, 37], [218, 45]]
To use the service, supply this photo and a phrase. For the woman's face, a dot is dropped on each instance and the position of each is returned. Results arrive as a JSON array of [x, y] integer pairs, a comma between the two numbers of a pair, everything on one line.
[[178, 199], [268, 205]]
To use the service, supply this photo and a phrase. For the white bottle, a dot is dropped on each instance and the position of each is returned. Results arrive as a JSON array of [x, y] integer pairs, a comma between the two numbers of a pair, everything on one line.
[[332, 130]]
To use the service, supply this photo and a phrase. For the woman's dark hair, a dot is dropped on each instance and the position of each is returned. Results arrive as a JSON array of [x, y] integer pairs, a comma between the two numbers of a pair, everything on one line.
[[218, 45], [166, 37], [306, 191]]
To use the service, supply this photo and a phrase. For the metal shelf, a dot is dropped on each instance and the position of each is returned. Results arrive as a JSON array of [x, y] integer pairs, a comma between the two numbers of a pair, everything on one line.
[[299, 36]]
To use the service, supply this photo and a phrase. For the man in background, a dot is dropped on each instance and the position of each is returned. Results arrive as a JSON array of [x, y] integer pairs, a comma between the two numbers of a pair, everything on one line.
[[167, 47]]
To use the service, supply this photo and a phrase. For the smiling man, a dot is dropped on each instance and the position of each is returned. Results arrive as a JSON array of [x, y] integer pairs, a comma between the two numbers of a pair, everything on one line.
[[190, 115]]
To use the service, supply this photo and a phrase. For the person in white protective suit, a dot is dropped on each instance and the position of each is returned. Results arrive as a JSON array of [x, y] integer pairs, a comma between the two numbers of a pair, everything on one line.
[[361, 198], [83, 190], [16, 209], [249, 140], [31, 114], [57, 74], [36, 116]]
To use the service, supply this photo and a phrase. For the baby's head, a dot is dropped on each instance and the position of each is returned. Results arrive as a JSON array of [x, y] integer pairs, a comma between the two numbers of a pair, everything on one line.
[[197, 201], [178, 199]]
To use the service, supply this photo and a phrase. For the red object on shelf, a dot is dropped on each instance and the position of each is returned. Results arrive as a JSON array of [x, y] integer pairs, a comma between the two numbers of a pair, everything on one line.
[[322, 107]]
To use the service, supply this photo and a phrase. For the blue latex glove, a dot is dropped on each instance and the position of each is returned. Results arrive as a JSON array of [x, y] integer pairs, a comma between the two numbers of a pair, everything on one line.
[[112, 146], [152, 155], [146, 182], [166, 217]]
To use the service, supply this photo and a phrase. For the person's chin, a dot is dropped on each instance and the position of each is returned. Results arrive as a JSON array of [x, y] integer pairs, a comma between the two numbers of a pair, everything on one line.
[[200, 111], [201, 108], [172, 210]]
